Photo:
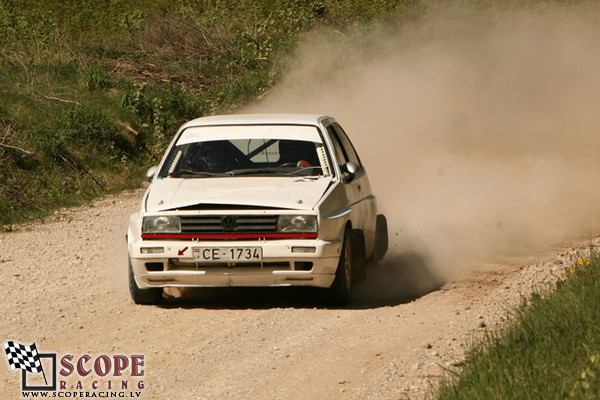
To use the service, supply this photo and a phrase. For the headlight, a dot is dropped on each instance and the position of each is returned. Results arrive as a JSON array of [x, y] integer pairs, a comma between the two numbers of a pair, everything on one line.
[[297, 223], [160, 224]]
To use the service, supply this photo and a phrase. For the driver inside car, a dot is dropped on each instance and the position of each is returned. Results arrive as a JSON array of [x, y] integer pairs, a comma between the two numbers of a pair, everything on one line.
[[296, 153], [218, 156]]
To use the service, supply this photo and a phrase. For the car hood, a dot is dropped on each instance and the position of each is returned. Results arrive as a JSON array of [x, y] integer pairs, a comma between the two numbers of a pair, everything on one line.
[[272, 192]]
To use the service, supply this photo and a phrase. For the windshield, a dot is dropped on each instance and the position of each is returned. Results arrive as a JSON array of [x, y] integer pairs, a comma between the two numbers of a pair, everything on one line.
[[244, 157]]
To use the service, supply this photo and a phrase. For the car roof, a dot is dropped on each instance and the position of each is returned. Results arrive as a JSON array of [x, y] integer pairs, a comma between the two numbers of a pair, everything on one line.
[[256, 119]]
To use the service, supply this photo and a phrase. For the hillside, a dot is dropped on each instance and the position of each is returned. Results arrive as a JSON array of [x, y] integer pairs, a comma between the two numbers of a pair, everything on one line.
[[93, 91]]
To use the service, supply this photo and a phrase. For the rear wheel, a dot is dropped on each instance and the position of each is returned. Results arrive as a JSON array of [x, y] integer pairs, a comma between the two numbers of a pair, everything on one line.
[[143, 296], [381, 237], [341, 289]]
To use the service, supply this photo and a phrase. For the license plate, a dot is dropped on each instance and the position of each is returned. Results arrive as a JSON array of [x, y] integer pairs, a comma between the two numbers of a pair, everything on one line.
[[227, 254]]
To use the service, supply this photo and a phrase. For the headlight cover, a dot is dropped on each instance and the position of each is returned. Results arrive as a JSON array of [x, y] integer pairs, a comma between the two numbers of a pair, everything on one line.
[[161, 224], [297, 223]]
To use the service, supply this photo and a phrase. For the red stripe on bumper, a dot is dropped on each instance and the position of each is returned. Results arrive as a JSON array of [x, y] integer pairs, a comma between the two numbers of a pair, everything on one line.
[[232, 236]]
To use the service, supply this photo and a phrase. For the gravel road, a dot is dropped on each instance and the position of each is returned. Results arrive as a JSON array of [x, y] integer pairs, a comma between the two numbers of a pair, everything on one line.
[[64, 284]]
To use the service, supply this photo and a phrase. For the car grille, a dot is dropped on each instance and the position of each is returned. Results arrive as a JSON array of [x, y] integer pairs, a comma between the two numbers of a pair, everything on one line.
[[207, 224]]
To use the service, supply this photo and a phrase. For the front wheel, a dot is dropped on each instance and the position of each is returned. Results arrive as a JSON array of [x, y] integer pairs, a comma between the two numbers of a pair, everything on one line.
[[150, 296], [341, 288]]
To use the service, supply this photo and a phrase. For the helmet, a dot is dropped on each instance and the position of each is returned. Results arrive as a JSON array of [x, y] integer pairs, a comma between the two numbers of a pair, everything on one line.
[[217, 155], [294, 151]]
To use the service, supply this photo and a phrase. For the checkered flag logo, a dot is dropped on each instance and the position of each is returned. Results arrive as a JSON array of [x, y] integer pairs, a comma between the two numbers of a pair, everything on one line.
[[23, 357]]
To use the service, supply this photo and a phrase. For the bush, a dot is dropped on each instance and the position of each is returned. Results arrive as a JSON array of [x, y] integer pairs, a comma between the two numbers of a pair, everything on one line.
[[96, 77]]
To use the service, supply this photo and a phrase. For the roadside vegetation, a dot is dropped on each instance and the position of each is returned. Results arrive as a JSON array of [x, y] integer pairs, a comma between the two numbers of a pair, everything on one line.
[[551, 349], [93, 91]]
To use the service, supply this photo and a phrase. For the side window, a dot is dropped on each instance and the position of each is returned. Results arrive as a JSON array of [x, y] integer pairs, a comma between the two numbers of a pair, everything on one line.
[[347, 145], [340, 153]]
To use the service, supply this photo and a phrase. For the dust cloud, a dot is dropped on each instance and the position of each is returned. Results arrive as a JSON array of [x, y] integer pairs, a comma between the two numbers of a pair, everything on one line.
[[480, 132]]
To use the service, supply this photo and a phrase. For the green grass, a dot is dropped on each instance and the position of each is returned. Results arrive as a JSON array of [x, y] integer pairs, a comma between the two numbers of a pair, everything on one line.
[[93, 91], [63, 141], [550, 351]]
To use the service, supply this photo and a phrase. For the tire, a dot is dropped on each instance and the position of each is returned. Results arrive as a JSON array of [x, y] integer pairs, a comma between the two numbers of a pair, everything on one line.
[[143, 296], [340, 291], [381, 238], [359, 270]]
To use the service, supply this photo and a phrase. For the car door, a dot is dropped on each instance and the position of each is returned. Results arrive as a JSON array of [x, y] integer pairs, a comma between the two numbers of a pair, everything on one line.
[[364, 201], [351, 184]]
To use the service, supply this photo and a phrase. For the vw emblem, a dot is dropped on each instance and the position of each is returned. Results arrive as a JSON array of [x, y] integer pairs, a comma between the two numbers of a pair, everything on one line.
[[229, 222]]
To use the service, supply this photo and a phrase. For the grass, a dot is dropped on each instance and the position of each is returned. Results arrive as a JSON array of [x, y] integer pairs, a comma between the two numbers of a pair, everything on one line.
[[550, 351], [93, 91], [63, 141]]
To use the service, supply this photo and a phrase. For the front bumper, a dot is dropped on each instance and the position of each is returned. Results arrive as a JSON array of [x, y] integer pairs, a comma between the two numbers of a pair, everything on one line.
[[280, 266]]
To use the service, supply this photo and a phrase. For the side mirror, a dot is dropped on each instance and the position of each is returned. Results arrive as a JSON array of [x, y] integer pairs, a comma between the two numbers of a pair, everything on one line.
[[151, 172], [350, 167]]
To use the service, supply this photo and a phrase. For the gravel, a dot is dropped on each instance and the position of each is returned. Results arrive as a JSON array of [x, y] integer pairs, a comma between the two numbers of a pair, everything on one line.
[[65, 289]]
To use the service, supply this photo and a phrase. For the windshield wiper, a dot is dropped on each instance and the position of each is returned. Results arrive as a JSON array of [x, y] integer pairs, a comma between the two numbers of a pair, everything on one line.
[[305, 169], [187, 173], [259, 171], [274, 171]]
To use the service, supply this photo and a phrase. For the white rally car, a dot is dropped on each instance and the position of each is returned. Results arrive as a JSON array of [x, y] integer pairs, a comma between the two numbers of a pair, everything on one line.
[[256, 200]]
